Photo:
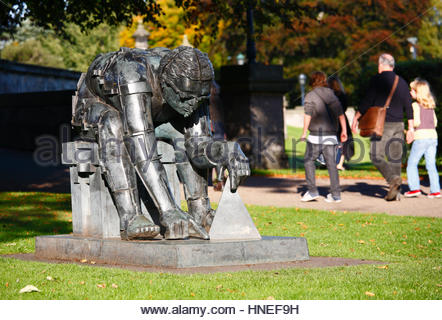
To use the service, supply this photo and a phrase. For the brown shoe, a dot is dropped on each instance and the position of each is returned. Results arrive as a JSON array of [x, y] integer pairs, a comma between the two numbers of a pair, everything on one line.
[[394, 191]]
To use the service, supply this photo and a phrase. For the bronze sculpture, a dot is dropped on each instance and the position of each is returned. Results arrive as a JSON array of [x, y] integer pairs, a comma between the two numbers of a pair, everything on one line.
[[127, 101]]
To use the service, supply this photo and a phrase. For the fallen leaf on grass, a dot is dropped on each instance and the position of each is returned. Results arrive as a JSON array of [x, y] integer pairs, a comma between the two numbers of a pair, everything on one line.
[[383, 267], [361, 241], [49, 278], [10, 244], [430, 241], [93, 262], [192, 294], [439, 285], [270, 298], [101, 285], [370, 294], [82, 282], [115, 286], [7, 284], [83, 261], [29, 288], [219, 287]]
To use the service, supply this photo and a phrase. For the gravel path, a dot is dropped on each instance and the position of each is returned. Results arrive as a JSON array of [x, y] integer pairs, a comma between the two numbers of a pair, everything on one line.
[[357, 195]]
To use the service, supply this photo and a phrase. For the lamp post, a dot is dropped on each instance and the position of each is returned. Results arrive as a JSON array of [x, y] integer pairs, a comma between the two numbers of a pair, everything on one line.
[[413, 42], [251, 47], [240, 59], [302, 81]]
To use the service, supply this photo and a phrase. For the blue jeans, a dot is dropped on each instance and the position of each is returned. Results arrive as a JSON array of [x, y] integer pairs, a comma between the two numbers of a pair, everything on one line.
[[419, 148]]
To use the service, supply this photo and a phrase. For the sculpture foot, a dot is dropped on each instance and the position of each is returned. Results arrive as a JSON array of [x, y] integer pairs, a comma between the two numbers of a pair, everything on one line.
[[140, 228], [201, 212], [180, 226], [208, 219]]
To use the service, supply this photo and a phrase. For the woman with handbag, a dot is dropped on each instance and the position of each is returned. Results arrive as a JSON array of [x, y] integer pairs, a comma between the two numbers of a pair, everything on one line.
[[322, 113]]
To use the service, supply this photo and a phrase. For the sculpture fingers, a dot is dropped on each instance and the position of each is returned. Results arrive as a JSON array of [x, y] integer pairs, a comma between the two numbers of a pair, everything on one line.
[[234, 179]]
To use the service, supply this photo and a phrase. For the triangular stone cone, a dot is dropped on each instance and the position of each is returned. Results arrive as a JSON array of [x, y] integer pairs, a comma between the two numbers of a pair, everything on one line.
[[232, 220]]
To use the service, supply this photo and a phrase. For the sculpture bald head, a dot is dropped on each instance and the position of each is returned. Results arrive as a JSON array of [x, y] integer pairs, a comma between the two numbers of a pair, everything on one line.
[[186, 76]]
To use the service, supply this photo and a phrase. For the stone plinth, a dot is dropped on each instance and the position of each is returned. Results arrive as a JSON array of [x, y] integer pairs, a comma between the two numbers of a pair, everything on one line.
[[253, 106], [174, 254]]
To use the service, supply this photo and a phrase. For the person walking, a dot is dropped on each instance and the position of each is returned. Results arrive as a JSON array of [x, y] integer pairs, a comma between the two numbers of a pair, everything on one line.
[[386, 152], [425, 140], [322, 112], [345, 150]]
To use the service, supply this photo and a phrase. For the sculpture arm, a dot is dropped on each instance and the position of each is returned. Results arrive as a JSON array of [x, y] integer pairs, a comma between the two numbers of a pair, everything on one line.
[[206, 152]]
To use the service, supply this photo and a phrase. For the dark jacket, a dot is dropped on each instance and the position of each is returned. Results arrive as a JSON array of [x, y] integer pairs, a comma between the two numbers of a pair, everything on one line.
[[324, 108], [377, 94]]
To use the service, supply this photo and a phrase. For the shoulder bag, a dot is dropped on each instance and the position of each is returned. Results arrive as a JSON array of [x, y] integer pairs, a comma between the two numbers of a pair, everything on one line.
[[372, 122]]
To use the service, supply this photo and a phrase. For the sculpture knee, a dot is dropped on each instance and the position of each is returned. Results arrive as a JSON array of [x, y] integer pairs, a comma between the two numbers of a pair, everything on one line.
[[110, 125]]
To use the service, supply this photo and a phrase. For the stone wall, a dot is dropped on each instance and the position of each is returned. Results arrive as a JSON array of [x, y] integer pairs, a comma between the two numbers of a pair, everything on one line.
[[26, 116], [19, 78]]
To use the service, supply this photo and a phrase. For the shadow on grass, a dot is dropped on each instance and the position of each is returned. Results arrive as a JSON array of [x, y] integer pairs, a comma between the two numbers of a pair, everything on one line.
[[31, 214]]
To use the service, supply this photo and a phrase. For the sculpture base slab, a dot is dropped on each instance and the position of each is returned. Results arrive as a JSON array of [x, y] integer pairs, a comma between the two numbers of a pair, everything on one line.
[[172, 253]]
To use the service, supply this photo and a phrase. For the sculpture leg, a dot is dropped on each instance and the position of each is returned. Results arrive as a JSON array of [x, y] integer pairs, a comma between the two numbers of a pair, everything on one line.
[[195, 190], [140, 140], [120, 177]]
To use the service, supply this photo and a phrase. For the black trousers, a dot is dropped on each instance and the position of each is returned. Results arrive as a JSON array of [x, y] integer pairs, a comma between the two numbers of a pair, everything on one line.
[[311, 154]]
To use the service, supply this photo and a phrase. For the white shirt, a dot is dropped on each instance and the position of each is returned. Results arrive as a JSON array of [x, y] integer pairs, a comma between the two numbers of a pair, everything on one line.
[[326, 140]]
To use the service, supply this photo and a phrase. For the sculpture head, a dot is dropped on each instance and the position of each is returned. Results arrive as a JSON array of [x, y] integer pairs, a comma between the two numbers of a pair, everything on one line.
[[186, 76]]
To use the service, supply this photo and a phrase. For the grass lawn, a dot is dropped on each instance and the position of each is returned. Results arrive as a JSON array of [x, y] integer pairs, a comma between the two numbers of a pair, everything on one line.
[[409, 248], [360, 166]]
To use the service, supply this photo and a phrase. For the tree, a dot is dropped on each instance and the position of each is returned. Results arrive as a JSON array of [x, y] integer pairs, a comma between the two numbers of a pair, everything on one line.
[[429, 36], [86, 14], [75, 51], [171, 30], [342, 36]]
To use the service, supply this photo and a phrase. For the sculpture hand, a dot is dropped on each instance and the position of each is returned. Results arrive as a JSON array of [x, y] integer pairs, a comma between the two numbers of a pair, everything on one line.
[[237, 165]]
